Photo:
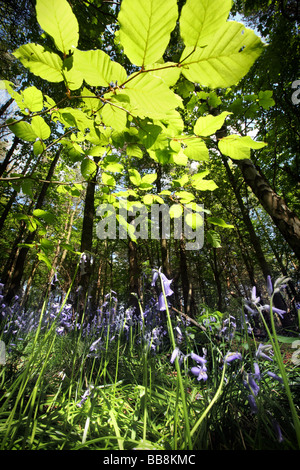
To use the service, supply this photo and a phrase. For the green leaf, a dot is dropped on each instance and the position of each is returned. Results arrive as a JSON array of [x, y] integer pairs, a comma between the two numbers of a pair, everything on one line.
[[40, 127], [112, 116], [135, 177], [38, 147], [208, 125], [43, 257], [213, 238], [57, 19], [231, 52], [237, 147], [145, 28], [194, 220], [219, 222], [149, 178], [31, 98], [179, 158], [134, 150], [169, 72], [196, 149], [97, 68], [200, 19], [73, 78], [24, 131], [88, 168], [42, 63], [265, 99], [175, 211], [111, 163], [201, 184], [150, 96], [108, 180], [185, 196], [44, 215]]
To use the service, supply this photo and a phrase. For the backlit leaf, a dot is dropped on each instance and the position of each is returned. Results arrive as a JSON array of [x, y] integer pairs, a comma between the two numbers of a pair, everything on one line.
[[208, 125], [200, 19], [88, 168], [97, 68], [145, 28], [57, 19], [24, 131], [42, 63], [238, 147], [40, 127], [227, 58]]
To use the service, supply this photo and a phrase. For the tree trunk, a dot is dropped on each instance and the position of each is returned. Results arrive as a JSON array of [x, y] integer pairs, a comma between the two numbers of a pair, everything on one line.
[[285, 220], [5, 162], [14, 286]]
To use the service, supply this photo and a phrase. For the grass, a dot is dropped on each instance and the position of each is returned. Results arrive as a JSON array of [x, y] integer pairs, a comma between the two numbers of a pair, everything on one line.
[[56, 395]]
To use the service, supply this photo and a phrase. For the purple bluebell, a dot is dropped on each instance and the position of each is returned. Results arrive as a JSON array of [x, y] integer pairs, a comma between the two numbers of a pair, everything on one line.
[[252, 403], [232, 356], [274, 376], [261, 352], [269, 285], [200, 372], [274, 309]]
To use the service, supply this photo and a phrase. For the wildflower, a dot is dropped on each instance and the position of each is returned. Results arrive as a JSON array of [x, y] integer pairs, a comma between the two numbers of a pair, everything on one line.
[[274, 376], [232, 356], [269, 285], [256, 371], [277, 430], [252, 404], [199, 372], [274, 309], [198, 359], [177, 353], [250, 384], [254, 298], [261, 352]]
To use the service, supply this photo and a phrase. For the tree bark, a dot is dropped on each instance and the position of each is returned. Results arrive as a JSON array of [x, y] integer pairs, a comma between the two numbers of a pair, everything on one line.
[[14, 286], [285, 219]]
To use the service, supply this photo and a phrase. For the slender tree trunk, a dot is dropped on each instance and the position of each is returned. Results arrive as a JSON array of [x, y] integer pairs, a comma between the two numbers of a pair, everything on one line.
[[13, 287], [5, 162], [187, 287], [87, 240]]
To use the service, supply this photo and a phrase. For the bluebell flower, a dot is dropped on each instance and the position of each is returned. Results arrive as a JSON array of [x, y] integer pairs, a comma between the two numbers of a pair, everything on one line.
[[269, 285], [200, 360], [274, 309], [252, 404], [250, 384], [261, 352], [200, 372], [277, 430], [177, 353], [274, 376], [232, 356], [257, 375]]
